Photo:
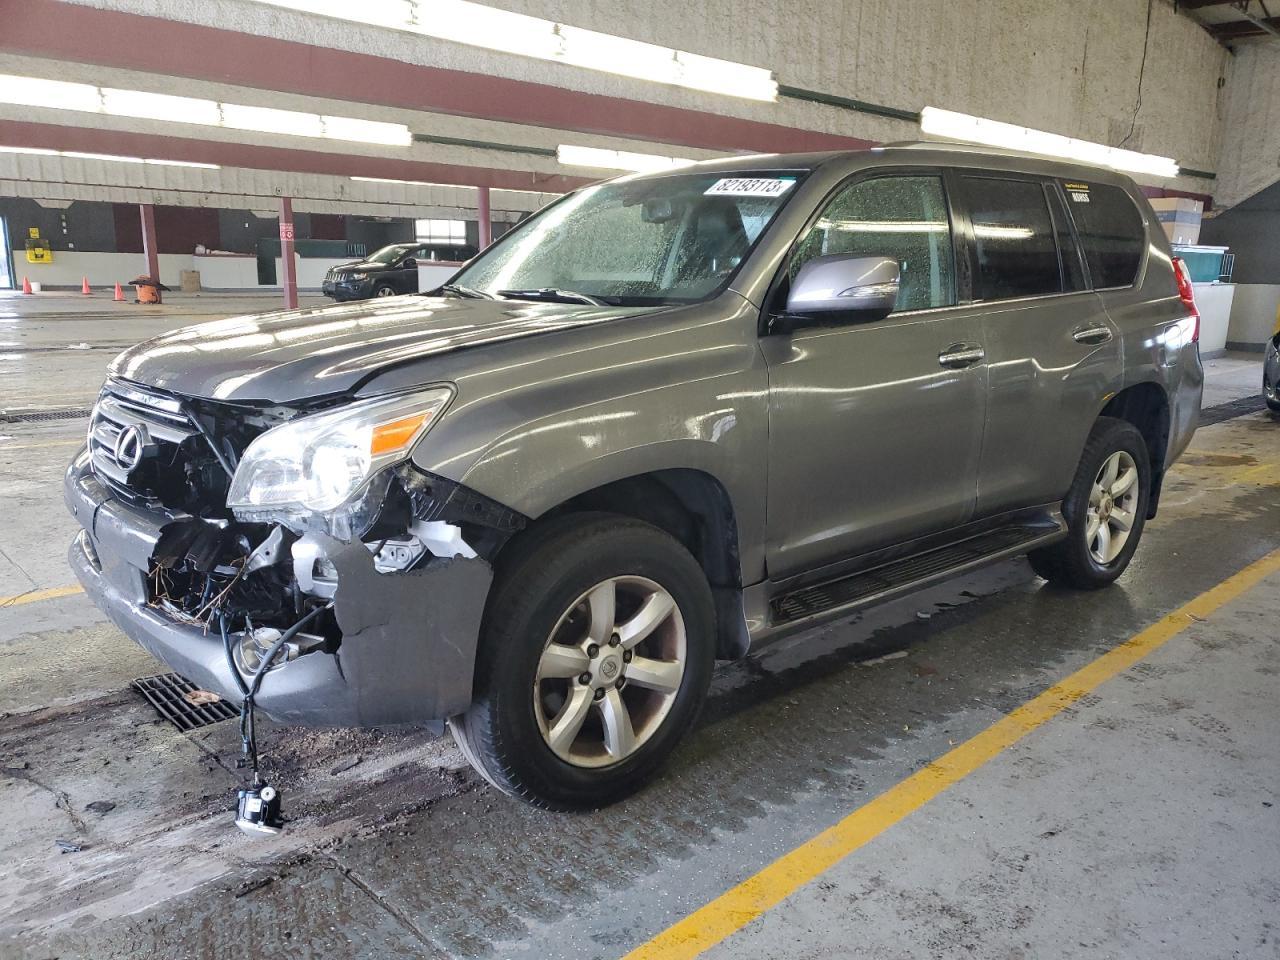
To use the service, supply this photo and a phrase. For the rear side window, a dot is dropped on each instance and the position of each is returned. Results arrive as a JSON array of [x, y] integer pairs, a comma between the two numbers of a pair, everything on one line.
[[1110, 229], [1015, 253]]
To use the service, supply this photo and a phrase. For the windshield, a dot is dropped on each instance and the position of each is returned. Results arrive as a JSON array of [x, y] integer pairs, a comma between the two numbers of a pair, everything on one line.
[[670, 239], [388, 255]]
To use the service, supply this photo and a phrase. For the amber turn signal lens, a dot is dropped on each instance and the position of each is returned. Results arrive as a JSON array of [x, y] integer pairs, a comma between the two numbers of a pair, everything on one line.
[[395, 436]]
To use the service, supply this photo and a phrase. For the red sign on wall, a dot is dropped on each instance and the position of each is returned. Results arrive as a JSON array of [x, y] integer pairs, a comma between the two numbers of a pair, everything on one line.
[[286, 231]]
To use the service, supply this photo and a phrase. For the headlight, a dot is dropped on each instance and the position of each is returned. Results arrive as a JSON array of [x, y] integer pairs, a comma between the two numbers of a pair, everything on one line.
[[357, 276], [316, 465]]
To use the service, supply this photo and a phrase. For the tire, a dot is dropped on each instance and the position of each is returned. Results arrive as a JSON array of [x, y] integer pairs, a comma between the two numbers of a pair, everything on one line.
[[1079, 561], [546, 585], [1273, 405], [384, 290]]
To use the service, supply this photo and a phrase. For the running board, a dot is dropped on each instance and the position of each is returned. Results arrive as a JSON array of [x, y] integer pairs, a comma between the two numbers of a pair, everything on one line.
[[867, 587]]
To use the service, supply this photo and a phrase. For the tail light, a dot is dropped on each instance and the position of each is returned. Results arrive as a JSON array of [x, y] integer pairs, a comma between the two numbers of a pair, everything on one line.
[[1187, 294]]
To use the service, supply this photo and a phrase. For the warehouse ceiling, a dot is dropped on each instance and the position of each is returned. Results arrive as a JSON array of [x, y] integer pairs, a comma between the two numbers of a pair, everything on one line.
[[1230, 20]]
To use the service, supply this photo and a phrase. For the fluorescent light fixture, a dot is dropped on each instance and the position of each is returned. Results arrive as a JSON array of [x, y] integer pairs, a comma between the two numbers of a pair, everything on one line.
[[160, 106], [38, 92], [110, 157], [289, 122], [477, 25], [596, 157], [961, 126], [141, 104], [455, 186]]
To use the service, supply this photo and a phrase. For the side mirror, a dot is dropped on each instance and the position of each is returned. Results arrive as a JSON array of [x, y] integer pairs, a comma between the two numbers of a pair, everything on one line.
[[410, 264], [841, 288]]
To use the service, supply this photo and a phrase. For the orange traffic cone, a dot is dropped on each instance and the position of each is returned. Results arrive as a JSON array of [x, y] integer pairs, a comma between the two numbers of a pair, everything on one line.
[[26, 285], [84, 286], [119, 297]]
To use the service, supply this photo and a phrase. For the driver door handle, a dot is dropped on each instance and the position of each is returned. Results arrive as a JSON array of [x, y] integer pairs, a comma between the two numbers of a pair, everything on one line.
[[960, 355], [1099, 334]]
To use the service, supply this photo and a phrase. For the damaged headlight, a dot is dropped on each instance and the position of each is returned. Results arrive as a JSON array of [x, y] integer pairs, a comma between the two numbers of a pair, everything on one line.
[[316, 467]]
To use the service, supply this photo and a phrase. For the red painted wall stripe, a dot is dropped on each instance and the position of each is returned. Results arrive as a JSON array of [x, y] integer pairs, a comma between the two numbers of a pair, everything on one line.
[[49, 136], [47, 28]]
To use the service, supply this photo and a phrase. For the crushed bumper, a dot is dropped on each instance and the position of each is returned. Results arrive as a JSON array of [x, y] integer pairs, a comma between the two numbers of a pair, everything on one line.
[[408, 648]]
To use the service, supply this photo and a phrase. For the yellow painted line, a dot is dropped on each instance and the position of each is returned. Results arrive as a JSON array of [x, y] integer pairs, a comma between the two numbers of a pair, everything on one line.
[[33, 596], [733, 910]]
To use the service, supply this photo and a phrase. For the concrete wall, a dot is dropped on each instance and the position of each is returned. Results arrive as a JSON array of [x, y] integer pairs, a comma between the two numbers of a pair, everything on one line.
[[1253, 314], [1250, 156], [1214, 301], [1069, 68], [1252, 230], [216, 273], [102, 269]]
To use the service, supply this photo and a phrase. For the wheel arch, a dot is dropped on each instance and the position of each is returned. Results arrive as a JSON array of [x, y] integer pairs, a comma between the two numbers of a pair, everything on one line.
[[695, 508], [1146, 406]]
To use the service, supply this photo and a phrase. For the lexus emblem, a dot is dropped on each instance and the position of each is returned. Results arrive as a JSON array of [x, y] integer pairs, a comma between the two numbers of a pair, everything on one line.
[[130, 447]]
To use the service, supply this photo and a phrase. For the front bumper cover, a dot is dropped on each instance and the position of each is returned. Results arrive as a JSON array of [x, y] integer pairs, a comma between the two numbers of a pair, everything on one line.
[[409, 639]]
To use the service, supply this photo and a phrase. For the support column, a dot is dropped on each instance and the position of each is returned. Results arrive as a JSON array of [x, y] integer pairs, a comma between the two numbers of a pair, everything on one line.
[[287, 265], [486, 224], [149, 249]]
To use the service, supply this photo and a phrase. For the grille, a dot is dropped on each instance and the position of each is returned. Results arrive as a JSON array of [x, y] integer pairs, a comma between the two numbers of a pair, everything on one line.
[[162, 426], [42, 416], [170, 694]]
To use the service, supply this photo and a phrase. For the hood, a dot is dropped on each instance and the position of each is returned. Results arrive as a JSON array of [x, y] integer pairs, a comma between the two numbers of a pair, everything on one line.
[[292, 355], [359, 266]]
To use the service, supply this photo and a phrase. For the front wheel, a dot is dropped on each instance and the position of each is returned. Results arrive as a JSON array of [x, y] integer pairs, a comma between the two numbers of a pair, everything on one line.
[[1105, 510], [384, 290], [595, 656]]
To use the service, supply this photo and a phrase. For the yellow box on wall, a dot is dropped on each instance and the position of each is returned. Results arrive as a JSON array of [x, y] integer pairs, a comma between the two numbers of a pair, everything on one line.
[[39, 251]]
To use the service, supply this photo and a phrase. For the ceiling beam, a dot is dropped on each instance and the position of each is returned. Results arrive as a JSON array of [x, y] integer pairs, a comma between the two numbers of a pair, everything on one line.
[[80, 34], [47, 136], [1236, 29]]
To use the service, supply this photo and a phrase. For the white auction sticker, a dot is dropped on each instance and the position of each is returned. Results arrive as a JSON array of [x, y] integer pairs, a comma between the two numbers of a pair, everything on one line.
[[749, 187]]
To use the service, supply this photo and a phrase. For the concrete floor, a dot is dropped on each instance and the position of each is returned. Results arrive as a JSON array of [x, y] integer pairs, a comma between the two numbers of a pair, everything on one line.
[[1143, 822]]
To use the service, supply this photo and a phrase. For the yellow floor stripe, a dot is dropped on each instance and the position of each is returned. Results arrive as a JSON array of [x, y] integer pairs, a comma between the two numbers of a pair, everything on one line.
[[31, 596], [747, 901]]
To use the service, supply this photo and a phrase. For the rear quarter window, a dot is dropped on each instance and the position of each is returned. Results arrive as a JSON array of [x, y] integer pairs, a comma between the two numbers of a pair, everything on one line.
[[1110, 229]]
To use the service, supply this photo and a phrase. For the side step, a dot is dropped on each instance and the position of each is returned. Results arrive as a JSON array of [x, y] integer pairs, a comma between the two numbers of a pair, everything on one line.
[[913, 572]]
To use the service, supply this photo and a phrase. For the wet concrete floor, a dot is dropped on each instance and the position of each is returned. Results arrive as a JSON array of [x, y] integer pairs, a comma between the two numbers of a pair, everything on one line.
[[1143, 822]]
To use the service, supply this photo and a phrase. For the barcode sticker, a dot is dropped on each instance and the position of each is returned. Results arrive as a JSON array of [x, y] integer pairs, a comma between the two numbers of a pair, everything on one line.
[[749, 187], [1079, 196]]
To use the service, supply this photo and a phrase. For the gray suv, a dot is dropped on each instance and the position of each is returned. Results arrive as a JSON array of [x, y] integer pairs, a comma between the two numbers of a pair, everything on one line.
[[668, 419]]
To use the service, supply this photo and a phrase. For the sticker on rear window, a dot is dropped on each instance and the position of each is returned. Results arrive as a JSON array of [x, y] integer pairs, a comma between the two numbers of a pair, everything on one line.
[[1078, 192], [749, 187]]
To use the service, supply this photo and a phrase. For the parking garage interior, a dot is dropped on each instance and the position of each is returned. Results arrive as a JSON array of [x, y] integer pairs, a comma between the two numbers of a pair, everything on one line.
[[986, 764]]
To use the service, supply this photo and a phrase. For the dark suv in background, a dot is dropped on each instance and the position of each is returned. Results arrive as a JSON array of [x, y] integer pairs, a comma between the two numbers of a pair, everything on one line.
[[391, 271], [662, 422]]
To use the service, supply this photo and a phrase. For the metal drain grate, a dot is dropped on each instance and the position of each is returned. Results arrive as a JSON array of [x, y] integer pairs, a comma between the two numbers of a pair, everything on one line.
[[168, 694], [43, 416], [1229, 411]]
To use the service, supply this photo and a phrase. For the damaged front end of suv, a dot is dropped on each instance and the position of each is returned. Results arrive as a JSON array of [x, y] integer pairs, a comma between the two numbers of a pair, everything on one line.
[[295, 546]]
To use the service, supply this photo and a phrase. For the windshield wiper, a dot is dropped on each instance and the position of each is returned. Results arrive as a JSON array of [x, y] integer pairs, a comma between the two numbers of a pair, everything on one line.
[[461, 291], [555, 295]]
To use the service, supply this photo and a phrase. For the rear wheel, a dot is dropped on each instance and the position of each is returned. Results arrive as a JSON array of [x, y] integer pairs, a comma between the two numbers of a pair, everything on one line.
[[595, 657], [1105, 510]]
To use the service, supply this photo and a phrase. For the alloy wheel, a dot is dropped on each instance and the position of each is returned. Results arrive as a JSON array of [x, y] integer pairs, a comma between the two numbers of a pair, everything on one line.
[[1113, 502], [610, 671]]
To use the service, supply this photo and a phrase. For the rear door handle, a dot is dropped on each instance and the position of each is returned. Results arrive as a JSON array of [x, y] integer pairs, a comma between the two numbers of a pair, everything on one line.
[[1091, 335], [961, 355]]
